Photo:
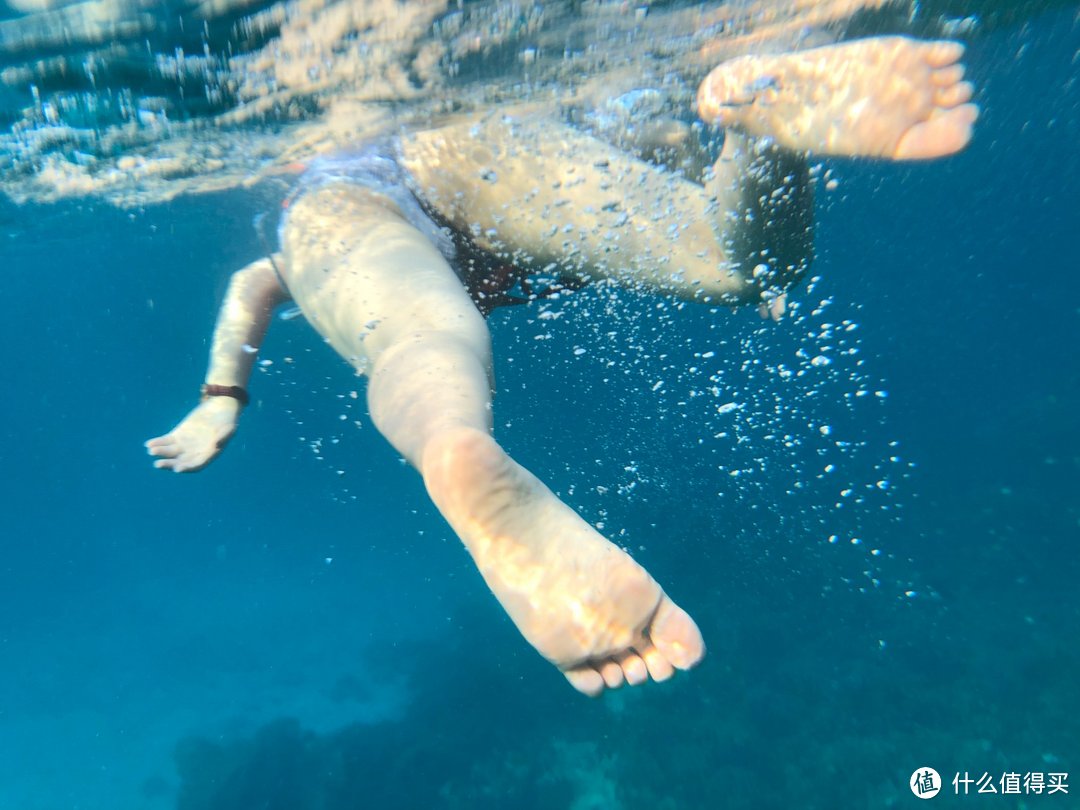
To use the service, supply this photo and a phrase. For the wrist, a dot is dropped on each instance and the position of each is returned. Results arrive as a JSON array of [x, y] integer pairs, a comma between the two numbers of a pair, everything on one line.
[[233, 393]]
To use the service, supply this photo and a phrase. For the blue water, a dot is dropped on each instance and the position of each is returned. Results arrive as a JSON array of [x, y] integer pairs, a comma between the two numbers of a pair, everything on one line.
[[295, 627]]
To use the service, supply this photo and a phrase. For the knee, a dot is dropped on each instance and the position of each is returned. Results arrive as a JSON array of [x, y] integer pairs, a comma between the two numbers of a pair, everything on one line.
[[427, 383], [457, 447]]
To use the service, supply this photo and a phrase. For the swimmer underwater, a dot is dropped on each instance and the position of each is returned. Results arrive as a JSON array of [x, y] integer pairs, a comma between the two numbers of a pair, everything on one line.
[[396, 252]]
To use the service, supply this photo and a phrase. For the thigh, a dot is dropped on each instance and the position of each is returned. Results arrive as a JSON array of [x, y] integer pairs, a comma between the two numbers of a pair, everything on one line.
[[387, 300], [539, 193], [365, 277]]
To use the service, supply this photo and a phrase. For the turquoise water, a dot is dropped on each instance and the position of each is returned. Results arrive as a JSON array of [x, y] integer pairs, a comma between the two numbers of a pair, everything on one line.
[[295, 627]]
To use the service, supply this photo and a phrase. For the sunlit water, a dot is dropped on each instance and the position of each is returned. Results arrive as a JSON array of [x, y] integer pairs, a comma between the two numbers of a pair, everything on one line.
[[870, 508]]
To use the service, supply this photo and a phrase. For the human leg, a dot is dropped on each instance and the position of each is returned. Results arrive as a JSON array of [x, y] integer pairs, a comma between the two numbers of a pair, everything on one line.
[[542, 194], [538, 193], [389, 303]]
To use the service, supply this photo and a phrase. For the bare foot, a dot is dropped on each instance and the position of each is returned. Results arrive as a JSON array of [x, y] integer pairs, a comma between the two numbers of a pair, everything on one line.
[[199, 437], [889, 97], [582, 602]]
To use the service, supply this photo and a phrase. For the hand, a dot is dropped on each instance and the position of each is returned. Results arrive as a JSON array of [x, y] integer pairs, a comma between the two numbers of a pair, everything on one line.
[[199, 437]]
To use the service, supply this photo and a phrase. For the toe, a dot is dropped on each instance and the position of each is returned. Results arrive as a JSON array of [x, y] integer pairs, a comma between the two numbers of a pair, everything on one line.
[[948, 97], [942, 135], [676, 636], [634, 669], [945, 52], [586, 680], [947, 76], [660, 669], [612, 674], [778, 306]]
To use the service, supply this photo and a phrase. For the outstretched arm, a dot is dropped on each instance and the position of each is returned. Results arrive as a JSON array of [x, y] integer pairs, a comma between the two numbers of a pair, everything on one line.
[[242, 323]]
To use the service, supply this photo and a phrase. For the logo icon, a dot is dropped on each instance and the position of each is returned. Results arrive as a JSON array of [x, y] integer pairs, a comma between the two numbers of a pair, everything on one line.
[[925, 783]]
